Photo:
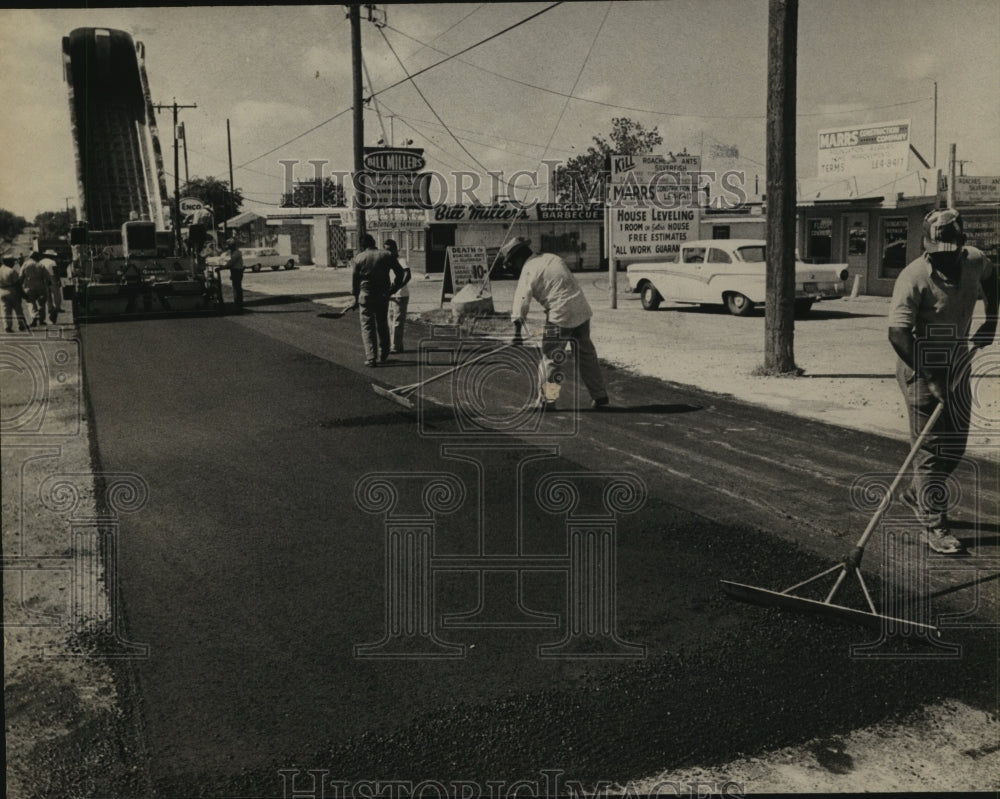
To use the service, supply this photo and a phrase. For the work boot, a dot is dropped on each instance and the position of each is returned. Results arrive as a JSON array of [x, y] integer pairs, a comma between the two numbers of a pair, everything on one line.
[[941, 541]]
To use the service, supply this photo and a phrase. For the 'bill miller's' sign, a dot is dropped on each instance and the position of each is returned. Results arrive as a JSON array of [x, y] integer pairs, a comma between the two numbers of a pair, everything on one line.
[[394, 159]]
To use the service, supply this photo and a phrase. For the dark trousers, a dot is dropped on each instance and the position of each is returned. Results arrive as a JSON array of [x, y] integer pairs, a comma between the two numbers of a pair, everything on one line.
[[374, 324], [236, 276], [554, 342], [944, 446]]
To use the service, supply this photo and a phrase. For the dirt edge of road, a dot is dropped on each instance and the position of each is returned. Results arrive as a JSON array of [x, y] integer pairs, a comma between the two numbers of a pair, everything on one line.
[[71, 720]]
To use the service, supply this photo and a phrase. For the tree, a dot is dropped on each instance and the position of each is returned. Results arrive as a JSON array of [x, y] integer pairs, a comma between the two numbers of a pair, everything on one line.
[[54, 224], [214, 193], [305, 194], [11, 225], [583, 178]]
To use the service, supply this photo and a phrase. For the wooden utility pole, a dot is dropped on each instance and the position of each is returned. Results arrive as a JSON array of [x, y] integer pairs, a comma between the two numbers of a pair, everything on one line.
[[952, 158], [232, 186], [177, 178], [359, 119], [779, 309]]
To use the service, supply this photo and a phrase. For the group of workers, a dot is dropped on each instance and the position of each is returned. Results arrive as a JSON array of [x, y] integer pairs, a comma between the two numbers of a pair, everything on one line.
[[930, 317], [31, 281]]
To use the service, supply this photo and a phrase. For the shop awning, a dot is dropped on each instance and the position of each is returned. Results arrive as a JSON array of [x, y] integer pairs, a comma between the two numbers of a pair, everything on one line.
[[243, 219]]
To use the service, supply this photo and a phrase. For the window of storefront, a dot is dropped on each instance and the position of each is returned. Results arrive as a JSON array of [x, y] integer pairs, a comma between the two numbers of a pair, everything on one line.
[[819, 239], [720, 231], [417, 240], [895, 230]]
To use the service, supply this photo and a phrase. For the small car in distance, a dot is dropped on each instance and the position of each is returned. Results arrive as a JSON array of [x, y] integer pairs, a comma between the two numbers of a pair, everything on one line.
[[728, 272], [257, 258]]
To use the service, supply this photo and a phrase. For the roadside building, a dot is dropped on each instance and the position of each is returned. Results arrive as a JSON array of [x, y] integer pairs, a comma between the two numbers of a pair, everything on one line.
[[573, 232], [248, 228], [873, 224], [314, 236], [977, 198], [406, 226]]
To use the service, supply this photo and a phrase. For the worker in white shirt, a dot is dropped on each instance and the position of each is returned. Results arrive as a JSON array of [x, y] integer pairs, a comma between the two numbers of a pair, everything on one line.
[[398, 302], [546, 279]]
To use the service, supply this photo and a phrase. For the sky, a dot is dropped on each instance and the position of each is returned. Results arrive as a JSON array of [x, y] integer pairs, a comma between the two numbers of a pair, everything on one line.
[[694, 69]]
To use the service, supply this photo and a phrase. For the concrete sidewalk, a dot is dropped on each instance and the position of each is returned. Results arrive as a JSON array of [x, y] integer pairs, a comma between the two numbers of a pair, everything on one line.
[[849, 366]]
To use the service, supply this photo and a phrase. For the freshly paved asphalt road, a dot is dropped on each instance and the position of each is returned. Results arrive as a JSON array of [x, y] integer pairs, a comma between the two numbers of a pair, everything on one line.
[[254, 571]]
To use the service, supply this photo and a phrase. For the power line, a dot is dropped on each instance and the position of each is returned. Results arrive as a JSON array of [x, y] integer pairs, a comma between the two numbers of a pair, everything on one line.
[[643, 110], [296, 138], [416, 88], [466, 50], [577, 81], [409, 77]]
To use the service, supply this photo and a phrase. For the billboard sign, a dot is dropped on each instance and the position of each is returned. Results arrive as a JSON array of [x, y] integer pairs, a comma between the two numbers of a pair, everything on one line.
[[974, 190], [858, 150], [652, 205]]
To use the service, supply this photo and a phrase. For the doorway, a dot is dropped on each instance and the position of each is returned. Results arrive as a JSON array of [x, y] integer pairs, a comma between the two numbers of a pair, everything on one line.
[[856, 255]]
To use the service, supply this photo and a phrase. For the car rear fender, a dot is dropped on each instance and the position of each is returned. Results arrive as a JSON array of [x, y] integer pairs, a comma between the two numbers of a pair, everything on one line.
[[820, 273], [751, 286]]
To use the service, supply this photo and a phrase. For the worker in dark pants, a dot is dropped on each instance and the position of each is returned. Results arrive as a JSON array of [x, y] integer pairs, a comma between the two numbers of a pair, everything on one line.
[[372, 287], [546, 279], [234, 264], [930, 318]]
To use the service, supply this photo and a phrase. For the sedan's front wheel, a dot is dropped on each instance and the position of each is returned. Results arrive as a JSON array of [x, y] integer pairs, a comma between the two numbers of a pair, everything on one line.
[[738, 304], [255, 268], [289, 264], [650, 297]]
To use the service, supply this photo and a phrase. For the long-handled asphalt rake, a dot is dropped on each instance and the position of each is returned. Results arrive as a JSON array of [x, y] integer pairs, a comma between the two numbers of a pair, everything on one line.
[[849, 565], [401, 394]]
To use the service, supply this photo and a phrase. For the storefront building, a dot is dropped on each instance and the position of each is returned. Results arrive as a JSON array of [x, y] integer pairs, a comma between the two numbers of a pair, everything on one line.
[[406, 226], [874, 226], [573, 232], [877, 229], [310, 234]]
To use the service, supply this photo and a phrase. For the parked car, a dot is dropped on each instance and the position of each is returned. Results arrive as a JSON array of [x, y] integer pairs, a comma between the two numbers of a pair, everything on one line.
[[257, 258], [729, 272]]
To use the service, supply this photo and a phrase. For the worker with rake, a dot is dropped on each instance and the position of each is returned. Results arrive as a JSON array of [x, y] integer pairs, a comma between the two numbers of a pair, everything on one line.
[[929, 321], [546, 279]]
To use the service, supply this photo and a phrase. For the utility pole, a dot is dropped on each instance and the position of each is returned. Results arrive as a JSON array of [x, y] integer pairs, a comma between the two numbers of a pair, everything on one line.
[[177, 178], [935, 124], [359, 120], [779, 302], [951, 175], [184, 136], [232, 186]]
